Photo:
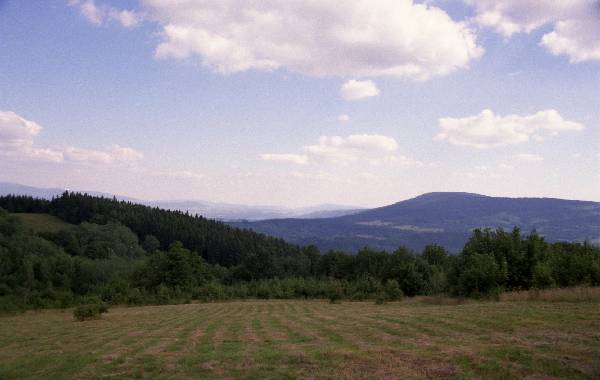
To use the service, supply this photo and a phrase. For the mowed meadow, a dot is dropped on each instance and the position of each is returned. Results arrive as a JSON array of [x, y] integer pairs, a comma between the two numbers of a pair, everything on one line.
[[415, 338]]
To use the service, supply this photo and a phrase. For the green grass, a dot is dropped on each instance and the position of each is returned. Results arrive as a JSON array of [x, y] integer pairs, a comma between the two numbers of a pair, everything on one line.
[[308, 339], [42, 222]]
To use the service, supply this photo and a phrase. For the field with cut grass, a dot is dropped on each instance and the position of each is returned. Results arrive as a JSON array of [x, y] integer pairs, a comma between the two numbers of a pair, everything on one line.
[[42, 222], [308, 339]]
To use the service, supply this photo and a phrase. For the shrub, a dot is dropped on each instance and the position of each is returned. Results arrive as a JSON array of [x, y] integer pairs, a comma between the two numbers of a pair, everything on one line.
[[210, 292], [542, 276], [335, 292], [392, 290], [90, 311], [480, 276]]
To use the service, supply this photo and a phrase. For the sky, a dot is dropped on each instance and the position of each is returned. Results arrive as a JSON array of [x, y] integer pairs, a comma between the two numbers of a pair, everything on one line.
[[297, 103]]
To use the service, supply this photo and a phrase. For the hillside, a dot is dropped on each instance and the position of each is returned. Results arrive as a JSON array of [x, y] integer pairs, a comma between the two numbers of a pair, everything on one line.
[[215, 241], [443, 218], [42, 222]]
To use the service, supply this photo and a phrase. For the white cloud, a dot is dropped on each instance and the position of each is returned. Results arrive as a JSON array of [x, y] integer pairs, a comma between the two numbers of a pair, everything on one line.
[[90, 11], [122, 153], [357, 89], [298, 159], [370, 149], [99, 14], [528, 157], [354, 147], [17, 136], [577, 39], [508, 17], [343, 118], [358, 38], [576, 29], [16, 132], [126, 18], [113, 155], [487, 129]]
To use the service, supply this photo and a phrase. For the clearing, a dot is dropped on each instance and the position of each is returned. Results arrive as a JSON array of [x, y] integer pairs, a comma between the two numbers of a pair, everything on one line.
[[42, 222]]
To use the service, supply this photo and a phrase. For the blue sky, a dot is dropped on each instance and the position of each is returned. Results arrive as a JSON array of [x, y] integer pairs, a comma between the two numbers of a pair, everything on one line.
[[187, 100]]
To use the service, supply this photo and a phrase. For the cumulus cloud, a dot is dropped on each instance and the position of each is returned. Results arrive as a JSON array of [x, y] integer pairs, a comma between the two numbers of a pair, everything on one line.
[[577, 39], [353, 147], [17, 136], [487, 129], [576, 26], [16, 132], [112, 155], [298, 159], [98, 14], [528, 157], [359, 89], [360, 38], [126, 18], [89, 10], [372, 149]]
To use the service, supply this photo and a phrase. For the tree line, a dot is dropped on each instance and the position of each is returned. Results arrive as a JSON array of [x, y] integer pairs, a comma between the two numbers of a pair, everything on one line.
[[124, 253]]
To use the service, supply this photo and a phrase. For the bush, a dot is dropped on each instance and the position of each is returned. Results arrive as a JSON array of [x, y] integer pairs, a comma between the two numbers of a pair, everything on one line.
[[479, 276], [335, 292], [392, 290], [542, 276], [210, 292], [90, 311]]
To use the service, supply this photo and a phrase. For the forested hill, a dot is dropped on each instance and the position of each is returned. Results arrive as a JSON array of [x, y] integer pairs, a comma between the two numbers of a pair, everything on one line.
[[216, 242], [443, 218]]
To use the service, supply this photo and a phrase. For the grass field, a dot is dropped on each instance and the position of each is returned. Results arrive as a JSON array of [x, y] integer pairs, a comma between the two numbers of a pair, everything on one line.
[[308, 339], [42, 222]]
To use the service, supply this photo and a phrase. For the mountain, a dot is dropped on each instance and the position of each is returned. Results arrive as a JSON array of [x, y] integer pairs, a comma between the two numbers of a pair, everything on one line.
[[236, 212], [7, 188], [211, 210], [443, 218]]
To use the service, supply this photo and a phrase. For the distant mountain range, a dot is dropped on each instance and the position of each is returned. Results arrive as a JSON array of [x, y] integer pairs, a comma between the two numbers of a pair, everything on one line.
[[443, 218], [212, 210]]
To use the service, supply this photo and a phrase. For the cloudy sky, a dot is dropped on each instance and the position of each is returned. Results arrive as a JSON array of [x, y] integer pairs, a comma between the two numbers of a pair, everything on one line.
[[285, 102]]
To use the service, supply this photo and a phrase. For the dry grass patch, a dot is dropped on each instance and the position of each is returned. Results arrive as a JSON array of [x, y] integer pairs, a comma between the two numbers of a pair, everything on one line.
[[576, 294]]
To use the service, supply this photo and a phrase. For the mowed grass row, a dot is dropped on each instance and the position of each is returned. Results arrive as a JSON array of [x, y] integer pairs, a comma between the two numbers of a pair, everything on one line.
[[308, 339]]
